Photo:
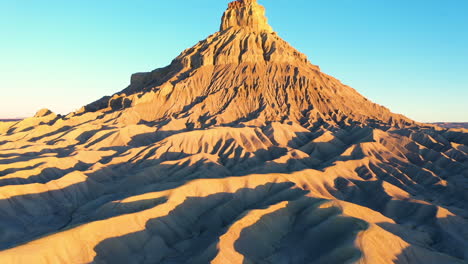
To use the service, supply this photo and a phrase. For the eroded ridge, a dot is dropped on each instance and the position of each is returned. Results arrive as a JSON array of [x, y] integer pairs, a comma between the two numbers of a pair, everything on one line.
[[245, 14]]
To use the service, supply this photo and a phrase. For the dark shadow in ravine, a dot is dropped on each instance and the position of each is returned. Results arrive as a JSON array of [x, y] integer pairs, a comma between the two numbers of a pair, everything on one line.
[[301, 232], [443, 247], [27, 217], [13, 170], [412, 219], [55, 132], [190, 232], [4, 142], [46, 175], [12, 158]]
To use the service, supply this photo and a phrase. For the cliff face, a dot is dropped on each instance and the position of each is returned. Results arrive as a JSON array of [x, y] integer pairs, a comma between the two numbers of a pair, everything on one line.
[[245, 73], [239, 151], [247, 14]]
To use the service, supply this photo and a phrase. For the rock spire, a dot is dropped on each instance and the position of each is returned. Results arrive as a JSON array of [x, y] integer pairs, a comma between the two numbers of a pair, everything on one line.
[[245, 14]]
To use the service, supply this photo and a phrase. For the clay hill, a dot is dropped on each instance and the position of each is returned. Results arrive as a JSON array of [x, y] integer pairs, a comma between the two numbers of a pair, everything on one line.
[[239, 151]]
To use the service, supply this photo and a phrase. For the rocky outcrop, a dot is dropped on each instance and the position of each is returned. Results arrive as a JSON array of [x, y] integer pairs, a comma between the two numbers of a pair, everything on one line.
[[43, 112], [245, 73], [247, 14]]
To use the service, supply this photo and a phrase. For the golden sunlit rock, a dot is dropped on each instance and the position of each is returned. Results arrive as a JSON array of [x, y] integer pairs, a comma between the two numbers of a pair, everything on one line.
[[245, 14]]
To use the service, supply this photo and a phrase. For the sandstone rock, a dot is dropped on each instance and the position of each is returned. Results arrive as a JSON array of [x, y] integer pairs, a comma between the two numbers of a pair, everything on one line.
[[43, 112], [244, 71], [247, 14]]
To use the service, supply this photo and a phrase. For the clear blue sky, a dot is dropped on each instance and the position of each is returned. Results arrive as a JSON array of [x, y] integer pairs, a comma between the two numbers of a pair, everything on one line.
[[409, 55]]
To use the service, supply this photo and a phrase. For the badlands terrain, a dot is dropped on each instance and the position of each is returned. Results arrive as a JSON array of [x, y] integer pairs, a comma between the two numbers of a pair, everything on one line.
[[453, 125], [239, 151]]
